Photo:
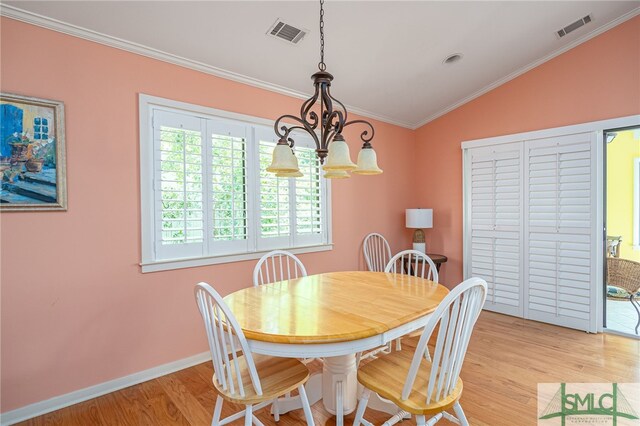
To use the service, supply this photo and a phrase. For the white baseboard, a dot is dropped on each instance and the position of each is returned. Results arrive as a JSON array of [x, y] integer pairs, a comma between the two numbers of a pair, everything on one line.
[[58, 402]]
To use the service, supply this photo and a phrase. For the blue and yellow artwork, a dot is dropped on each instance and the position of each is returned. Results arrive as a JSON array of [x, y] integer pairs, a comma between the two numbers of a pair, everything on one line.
[[30, 151]]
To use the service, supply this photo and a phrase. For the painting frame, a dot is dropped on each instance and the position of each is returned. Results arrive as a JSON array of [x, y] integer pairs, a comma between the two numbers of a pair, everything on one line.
[[60, 164]]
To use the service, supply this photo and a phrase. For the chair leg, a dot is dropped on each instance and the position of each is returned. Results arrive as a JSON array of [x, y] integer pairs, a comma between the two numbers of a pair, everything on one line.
[[635, 304], [248, 416], [421, 421], [276, 410], [460, 414], [399, 344], [305, 406], [217, 411], [362, 405]]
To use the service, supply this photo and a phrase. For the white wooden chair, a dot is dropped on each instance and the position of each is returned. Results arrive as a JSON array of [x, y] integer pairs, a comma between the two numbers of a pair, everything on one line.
[[413, 262], [277, 265], [239, 376], [376, 252], [420, 387]]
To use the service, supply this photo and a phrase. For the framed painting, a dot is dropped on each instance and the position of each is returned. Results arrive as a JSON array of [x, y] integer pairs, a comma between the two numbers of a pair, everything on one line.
[[32, 154]]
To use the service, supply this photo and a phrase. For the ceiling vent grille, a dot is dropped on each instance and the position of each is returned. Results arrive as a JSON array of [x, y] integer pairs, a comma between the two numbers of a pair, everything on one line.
[[573, 26], [286, 32]]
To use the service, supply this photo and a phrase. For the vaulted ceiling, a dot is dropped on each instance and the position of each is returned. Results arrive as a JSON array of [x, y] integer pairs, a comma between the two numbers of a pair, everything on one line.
[[386, 56]]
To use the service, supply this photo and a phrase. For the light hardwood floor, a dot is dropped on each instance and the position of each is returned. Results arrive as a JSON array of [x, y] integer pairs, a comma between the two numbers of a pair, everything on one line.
[[506, 360]]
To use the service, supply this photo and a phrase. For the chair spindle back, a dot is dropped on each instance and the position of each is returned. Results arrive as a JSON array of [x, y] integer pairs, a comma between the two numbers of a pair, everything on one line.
[[226, 340], [277, 265], [457, 315], [413, 262], [376, 252]]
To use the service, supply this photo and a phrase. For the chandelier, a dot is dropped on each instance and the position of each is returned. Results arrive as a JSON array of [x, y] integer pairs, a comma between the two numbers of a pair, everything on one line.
[[326, 131]]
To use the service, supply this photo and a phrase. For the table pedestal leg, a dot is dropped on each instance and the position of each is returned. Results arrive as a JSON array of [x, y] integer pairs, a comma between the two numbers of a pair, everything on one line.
[[340, 385], [337, 386]]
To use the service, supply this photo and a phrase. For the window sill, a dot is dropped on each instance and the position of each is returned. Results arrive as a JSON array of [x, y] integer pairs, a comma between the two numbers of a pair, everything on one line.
[[192, 262]]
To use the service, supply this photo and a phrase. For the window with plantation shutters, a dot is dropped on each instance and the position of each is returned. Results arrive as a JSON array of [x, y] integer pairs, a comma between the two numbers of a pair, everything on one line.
[[206, 195]]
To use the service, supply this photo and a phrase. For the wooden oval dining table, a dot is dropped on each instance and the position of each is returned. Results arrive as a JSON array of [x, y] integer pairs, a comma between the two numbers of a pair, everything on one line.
[[333, 316]]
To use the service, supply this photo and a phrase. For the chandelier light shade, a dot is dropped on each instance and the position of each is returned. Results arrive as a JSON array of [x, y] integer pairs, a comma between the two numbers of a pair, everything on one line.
[[339, 157], [336, 174], [367, 162], [323, 117], [283, 160], [290, 174], [296, 173]]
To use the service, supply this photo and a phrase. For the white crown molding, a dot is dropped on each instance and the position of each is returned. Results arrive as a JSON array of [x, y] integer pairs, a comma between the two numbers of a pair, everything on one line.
[[28, 17], [75, 397], [531, 66]]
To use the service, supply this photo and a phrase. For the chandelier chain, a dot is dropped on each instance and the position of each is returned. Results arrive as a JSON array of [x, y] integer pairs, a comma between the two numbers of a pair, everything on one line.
[[321, 65]]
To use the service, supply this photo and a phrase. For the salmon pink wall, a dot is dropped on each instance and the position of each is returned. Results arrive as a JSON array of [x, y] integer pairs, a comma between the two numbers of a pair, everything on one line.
[[597, 80], [76, 310]]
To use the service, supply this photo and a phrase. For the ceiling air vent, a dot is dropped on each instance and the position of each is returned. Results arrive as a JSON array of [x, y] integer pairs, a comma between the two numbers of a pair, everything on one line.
[[287, 32], [573, 26]]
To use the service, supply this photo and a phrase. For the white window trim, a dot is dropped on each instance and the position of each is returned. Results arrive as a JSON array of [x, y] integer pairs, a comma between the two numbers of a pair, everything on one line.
[[636, 204], [147, 104]]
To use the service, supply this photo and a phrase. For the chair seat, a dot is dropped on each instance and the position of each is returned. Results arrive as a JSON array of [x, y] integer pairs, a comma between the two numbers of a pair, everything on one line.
[[277, 376], [386, 376]]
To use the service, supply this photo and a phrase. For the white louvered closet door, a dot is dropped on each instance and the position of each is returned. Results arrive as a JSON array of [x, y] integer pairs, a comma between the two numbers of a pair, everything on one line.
[[560, 206], [494, 195]]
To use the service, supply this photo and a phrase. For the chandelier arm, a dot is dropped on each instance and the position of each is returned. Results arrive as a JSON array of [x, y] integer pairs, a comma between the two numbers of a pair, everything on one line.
[[306, 107], [364, 135], [284, 130], [344, 109], [291, 129], [327, 115], [328, 104], [331, 128]]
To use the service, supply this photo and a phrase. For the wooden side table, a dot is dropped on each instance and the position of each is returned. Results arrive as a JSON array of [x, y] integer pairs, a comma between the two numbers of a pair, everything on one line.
[[438, 259]]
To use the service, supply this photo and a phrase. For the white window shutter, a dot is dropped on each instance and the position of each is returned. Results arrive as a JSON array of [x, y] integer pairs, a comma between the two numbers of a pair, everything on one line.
[[228, 175], [560, 265], [275, 219], [309, 196], [494, 194], [178, 185]]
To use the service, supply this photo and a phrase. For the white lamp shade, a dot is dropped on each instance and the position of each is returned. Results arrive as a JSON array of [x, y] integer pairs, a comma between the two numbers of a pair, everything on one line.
[[283, 160], [336, 174], [419, 218], [338, 157], [367, 162]]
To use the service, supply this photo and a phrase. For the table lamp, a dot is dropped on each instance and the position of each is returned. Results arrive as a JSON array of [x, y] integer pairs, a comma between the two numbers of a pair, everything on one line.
[[419, 219]]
